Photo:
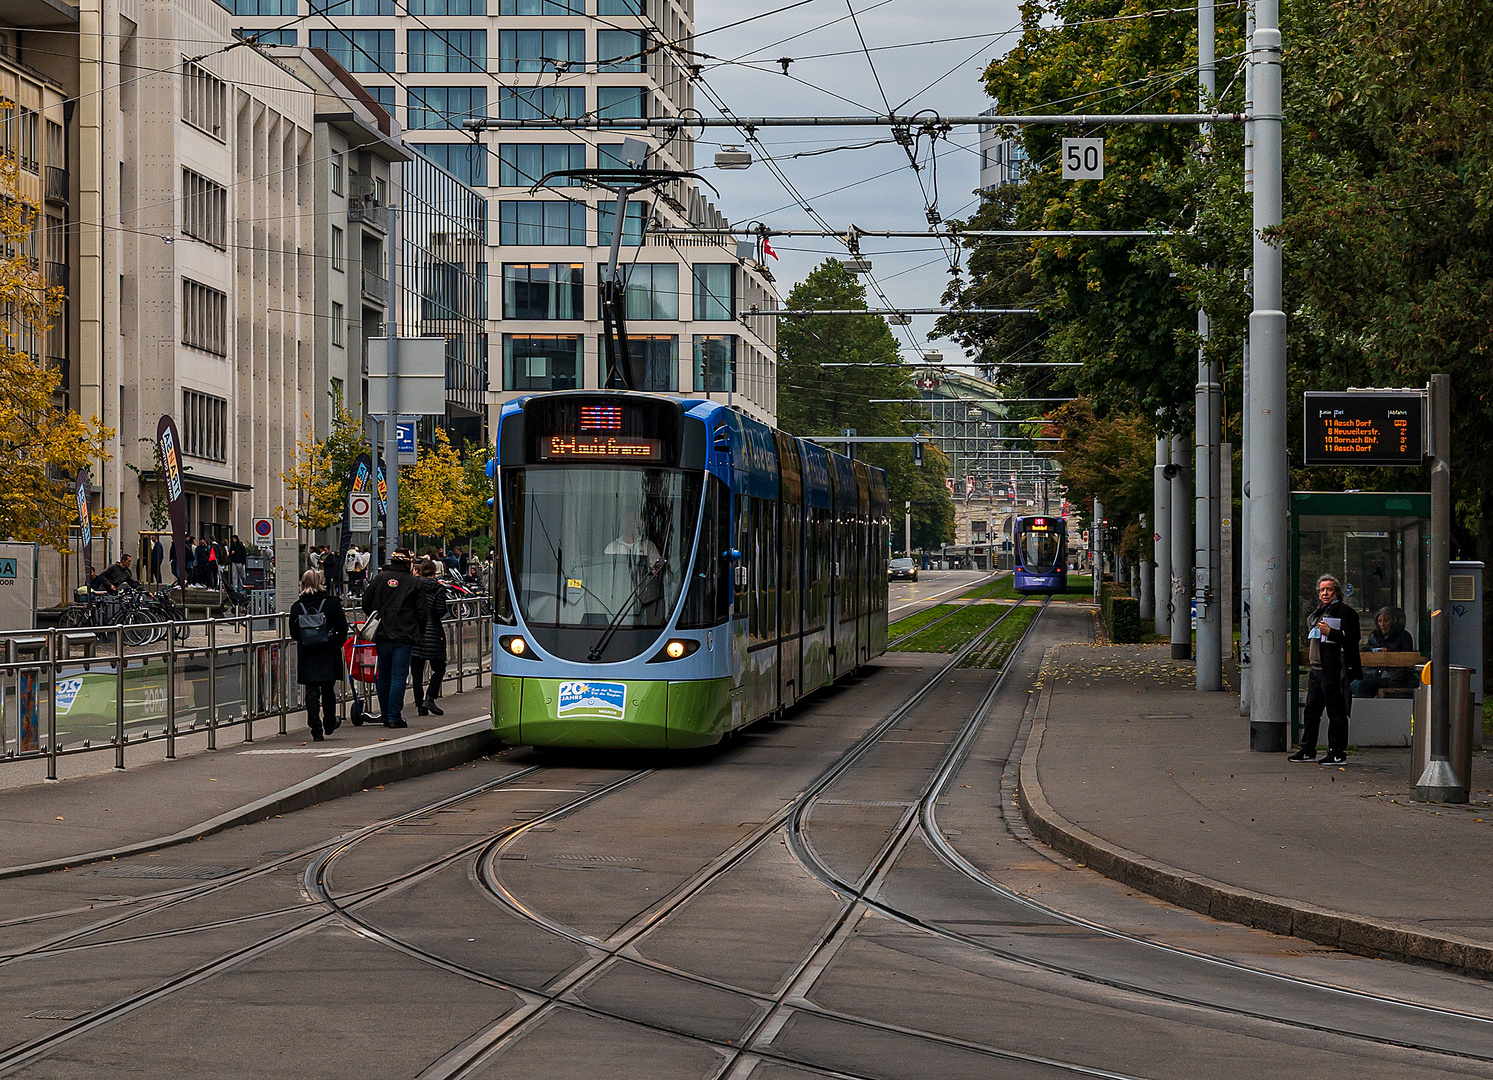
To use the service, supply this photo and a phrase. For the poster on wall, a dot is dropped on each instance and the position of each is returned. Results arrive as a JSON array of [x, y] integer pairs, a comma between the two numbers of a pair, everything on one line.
[[169, 441]]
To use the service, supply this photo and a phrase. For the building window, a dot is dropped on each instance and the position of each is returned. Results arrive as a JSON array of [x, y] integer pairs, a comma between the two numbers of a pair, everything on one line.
[[523, 164], [339, 395], [266, 37], [340, 8], [543, 291], [204, 426], [285, 8], [541, 361], [204, 318], [619, 50], [656, 354], [619, 7], [445, 106], [447, 291], [337, 248], [204, 209], [541, 50], [337, 182], [652, 289], [467, 161], [609, 156], [715, 363], [384, 95], [339, 321], [622, 103], [357, 50], [715, 292], [542, 7], [448, 50], [541, 221], [632, 228], [542, 103], [204, 100], [448, 7]]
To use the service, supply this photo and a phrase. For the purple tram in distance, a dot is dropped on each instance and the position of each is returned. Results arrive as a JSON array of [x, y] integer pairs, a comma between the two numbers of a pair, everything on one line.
[[1041, 545]]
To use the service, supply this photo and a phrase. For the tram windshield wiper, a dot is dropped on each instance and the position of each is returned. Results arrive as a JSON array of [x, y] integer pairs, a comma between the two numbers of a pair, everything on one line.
[[626, 608]]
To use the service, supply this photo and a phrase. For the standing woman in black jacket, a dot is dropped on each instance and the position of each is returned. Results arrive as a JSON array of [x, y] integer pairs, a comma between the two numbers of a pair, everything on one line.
[[1335, 663], [318, 662], [431, 648]]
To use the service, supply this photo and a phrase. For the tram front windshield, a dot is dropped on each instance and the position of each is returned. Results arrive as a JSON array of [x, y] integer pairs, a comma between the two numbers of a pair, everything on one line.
[[1040, 551], [591, 546]]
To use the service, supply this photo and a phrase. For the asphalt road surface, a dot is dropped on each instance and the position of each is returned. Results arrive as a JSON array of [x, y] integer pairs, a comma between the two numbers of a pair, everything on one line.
[[846, 893]]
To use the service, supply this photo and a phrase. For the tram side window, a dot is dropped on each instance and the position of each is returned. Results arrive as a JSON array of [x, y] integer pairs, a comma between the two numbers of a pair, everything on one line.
[[709, 600], [790, 554], [849, 566]]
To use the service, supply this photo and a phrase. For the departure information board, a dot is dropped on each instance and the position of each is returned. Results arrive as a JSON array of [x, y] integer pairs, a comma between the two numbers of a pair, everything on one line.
[[1365, 427]]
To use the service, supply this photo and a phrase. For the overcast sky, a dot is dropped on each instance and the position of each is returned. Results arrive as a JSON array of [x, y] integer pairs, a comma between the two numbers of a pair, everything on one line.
[[874, 187]]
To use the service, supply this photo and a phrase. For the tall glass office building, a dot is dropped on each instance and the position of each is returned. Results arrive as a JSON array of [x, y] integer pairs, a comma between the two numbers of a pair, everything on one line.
[[436, 63]]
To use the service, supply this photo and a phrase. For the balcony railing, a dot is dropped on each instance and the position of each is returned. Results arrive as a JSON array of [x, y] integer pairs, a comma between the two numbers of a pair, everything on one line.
[[369, 213], [56, 184], [57, 274], [375, 286]]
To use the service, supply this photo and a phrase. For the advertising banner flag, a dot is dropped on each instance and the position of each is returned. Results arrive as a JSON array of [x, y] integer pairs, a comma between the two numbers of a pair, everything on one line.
[[360, 482], [169, 441], [85, 525]]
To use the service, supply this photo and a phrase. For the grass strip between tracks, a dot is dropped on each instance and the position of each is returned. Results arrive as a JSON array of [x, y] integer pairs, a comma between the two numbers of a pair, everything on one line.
[[992, 652], [961, 624]]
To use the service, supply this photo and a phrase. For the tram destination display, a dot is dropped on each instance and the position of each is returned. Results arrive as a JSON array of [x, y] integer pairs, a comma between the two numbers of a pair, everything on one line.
[[1365, 427]]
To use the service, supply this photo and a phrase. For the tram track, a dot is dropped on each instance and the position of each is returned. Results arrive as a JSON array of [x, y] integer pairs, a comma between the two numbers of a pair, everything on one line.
[[953, 610], [1471, 1030]]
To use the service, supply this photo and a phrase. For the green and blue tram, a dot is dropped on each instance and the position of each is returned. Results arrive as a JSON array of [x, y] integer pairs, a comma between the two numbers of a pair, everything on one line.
[[670, 570]]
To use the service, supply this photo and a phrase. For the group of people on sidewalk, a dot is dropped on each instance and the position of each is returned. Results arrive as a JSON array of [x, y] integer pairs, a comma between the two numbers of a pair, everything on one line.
[[1337, 673], [406, 609]]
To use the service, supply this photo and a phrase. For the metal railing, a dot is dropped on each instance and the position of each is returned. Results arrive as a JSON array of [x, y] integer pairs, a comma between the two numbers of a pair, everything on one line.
[[77, 691], [56, 183]]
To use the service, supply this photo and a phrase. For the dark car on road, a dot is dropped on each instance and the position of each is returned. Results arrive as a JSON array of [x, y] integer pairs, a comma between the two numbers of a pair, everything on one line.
[[902, 570]]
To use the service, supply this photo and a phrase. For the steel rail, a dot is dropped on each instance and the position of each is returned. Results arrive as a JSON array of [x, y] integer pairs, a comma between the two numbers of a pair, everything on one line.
[[857, 892]]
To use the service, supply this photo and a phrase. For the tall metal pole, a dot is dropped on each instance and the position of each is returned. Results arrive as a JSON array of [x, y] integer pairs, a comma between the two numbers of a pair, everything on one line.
[[1208, 674], [1269, 544], [1181, 583], [907, 527], [1096, 532], [1439, 782], [1244, 507], [1161, 505], [391, 420], [1146, 588]]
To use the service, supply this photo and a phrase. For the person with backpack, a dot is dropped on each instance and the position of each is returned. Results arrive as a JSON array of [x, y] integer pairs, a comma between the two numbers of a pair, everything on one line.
[[319, 626], [397, 599]]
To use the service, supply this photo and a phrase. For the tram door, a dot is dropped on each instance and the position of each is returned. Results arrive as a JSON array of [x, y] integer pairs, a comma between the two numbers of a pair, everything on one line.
[[790, 570]]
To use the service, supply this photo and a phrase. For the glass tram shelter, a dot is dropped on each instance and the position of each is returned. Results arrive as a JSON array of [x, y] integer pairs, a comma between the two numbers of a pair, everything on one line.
[[1378, 544]]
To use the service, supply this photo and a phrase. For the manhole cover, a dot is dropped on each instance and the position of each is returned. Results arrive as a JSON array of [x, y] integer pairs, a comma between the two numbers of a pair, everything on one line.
[[205, 873]]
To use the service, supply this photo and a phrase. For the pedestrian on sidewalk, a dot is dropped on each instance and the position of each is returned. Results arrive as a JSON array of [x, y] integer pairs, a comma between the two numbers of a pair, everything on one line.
[[431, 649], [1332, 645], [319, 626], [238, 561], [398, 600], [157, 556]]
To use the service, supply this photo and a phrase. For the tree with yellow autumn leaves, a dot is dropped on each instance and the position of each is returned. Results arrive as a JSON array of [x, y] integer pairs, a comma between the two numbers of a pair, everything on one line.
[[41, 443]]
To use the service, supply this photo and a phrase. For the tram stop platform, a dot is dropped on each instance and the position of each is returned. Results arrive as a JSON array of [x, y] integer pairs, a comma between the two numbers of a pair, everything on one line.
[[1132, 772], [95, 812]]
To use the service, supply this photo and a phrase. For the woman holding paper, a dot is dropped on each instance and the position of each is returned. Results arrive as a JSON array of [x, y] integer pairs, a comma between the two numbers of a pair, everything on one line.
[[1332, 640]]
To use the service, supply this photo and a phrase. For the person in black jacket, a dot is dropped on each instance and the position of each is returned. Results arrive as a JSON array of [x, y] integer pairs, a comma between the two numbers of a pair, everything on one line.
[[431, 648], [319, 666], [399, 601], [1333, 645]]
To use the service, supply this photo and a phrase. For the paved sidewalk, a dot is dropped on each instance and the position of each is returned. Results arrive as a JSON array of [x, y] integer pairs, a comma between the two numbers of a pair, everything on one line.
[[158, 803], [1130, 770]]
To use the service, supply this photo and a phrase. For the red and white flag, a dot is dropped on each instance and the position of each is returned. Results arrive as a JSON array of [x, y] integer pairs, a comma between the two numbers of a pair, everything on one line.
[[766, 247]]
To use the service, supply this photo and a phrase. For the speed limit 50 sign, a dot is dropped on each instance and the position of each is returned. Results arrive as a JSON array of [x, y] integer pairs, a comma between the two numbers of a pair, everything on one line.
[[1083, 159]]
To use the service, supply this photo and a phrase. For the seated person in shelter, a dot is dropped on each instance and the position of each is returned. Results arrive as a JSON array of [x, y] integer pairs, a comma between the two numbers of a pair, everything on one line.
[[1389, 635]]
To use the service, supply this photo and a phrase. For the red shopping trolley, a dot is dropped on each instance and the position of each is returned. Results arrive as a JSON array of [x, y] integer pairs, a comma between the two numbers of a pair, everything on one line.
[[360, 659]]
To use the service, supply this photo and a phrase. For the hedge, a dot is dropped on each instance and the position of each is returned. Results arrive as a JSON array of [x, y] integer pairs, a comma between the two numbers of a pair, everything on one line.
[[1121, 614]]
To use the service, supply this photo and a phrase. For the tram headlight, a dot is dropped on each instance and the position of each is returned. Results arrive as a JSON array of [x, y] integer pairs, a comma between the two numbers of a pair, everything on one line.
[[675, 649], [515, 645]]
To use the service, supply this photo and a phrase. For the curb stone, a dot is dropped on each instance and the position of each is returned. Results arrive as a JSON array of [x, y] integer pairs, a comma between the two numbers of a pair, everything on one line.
[[366, 768], [1358, 934]]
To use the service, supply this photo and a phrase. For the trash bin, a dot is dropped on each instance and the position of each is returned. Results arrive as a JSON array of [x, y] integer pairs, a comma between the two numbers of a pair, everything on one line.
[[1464, 715]]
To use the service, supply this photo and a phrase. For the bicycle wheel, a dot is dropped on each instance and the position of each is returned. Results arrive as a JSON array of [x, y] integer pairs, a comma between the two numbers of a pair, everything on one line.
[[139, 627]]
